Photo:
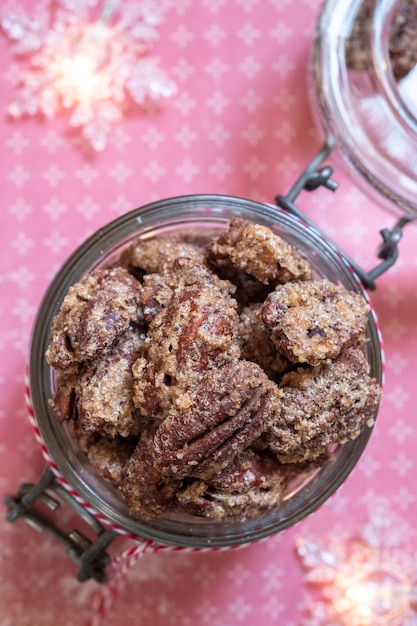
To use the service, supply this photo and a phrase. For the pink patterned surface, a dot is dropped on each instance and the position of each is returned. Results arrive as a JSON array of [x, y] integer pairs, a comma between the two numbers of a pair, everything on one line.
[[240, 124]]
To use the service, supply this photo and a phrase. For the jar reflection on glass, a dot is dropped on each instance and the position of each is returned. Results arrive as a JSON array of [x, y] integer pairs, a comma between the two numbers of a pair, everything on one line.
[[363, 86]]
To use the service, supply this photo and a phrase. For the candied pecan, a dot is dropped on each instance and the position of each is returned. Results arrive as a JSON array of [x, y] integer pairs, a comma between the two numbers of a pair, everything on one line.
[[257, 345], [253, 483], [196, 331], [93, 314], [158, 289], [259, 252], [107, 456], [315, 320], [98, 396], [147, 493], [152, 256], [64, 401], [327, 404], [156, 295], [229, 409]]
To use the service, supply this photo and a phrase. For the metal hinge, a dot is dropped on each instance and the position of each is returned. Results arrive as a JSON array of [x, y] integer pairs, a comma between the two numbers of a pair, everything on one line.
[[315, 176], [89, 554]]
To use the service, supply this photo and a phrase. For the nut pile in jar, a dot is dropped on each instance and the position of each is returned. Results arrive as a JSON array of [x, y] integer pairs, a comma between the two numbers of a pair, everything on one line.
[[201, 378]]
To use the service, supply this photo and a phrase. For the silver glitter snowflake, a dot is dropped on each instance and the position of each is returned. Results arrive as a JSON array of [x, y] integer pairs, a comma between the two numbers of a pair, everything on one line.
[[88, 58], [369, 580]]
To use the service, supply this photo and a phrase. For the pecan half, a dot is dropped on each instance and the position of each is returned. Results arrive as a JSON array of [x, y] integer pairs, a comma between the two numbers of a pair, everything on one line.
[[314, 320], [197, 330], [259, 252], [153, 256], [257, 345], [93, 314], [323, 405], [230, 408], [159, 289], [253, 483], [146, 491], [98, 395]]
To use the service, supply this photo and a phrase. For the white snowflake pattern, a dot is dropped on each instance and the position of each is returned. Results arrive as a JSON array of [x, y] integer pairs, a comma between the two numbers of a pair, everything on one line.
[[365, 579], [96, 68]]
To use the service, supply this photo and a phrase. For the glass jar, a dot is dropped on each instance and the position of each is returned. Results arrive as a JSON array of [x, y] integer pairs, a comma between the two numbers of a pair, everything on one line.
[[363, 87], [204, 214]]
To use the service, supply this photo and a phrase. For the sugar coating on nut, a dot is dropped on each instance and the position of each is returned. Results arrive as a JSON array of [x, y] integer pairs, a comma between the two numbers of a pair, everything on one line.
[[253, 482], [94, 313], [257, 251], [151, 256], [98, 395], [257, 344], [229, 408], [179, 373], [319, 406], [313, 321], [195, 330]]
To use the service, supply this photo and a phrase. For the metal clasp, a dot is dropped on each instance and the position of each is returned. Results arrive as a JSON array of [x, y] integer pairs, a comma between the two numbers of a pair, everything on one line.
[[315, 176], [89, 554]]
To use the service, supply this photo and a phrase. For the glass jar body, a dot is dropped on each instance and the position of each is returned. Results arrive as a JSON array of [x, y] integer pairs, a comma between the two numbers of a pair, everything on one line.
[[203, 215]]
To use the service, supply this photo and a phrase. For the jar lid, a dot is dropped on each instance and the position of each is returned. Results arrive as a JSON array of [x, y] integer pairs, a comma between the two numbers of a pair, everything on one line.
[[364, 92]]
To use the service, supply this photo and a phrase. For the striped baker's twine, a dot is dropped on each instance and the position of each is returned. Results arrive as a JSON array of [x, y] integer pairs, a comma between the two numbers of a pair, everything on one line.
[[124, 561]]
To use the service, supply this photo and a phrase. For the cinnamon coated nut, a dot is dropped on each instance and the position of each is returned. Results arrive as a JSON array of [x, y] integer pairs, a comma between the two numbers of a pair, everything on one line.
[[312, 321], [257, 251], [230, 408], [146, 491], [97, 395], [94, 313], [195, 330], [257, 345], [155, 255], [252, 483], [323, 405]]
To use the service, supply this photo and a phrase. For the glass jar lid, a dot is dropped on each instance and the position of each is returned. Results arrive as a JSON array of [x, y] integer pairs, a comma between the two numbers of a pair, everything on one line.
[[364, 93]]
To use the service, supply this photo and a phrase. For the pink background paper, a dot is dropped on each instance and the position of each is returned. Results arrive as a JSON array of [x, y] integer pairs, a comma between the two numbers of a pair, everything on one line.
[[240, 124]]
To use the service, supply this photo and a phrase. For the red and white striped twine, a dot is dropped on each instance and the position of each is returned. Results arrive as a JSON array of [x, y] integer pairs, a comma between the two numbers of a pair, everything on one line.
[[124, 561]]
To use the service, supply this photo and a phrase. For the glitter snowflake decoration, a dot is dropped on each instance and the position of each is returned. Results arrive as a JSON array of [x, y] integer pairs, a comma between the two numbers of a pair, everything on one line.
[[88, 58], [367, 581]]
